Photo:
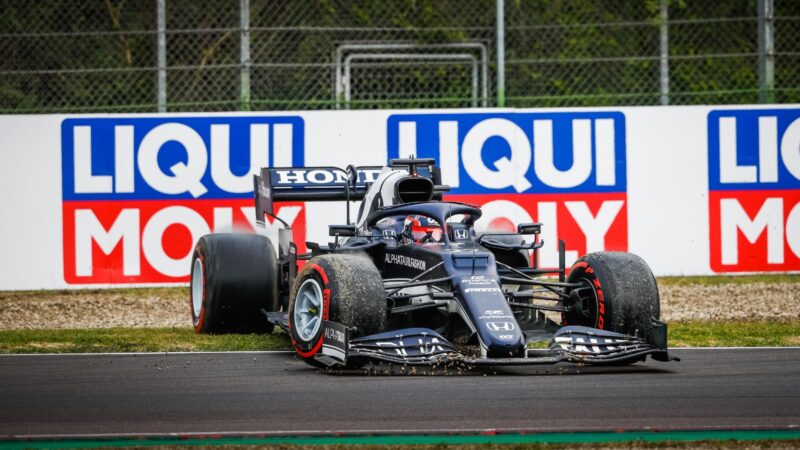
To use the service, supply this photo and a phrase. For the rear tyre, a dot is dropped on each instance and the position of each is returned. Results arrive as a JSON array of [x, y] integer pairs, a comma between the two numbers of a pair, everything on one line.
[[233, 277], [618, 293], [347, 289]]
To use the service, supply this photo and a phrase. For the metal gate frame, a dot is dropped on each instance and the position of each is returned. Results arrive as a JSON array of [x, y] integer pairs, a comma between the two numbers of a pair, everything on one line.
[[346, 53]]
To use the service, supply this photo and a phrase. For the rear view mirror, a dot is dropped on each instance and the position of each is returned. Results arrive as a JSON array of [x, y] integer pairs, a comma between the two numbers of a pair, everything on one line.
[[342, 230], [529, 228]]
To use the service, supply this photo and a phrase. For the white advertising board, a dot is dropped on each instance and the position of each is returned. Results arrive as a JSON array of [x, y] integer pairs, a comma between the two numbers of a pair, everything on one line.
[[99, 200]]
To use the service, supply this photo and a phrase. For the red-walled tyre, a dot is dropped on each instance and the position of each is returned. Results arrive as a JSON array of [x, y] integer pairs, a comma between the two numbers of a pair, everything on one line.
[[347, 289], [233, 277], [618, 293]]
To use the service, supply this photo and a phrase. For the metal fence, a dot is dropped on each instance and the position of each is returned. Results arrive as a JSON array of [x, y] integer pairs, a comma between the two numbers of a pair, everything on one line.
[[223, 55]]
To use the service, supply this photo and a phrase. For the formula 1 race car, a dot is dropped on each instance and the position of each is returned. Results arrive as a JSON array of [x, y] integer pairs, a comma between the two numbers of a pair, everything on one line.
[[411, 282]]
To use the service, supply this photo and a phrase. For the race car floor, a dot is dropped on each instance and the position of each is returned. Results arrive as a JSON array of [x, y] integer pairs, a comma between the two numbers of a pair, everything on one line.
[[262, 393]]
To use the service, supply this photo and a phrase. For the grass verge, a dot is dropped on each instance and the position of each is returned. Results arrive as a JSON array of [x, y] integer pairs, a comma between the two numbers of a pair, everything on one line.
[[100, 340], [97, 340], [735, 334]]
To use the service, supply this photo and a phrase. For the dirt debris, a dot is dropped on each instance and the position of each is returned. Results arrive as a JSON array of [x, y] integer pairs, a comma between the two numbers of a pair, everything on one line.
[[169, 307], [97, 308], [752, 301]]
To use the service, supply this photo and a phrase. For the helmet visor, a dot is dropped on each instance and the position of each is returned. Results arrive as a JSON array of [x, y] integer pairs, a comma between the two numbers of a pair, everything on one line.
[[419, 233]]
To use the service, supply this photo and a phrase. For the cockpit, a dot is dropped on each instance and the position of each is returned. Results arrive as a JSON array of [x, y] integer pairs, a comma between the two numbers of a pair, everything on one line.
[[424, 230]]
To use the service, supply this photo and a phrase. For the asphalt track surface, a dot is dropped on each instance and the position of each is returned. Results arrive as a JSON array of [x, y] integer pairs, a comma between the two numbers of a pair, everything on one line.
[[275, 394]]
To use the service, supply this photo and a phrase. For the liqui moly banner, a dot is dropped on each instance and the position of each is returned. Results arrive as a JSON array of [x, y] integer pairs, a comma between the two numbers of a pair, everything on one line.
[[754, 190], [566, 170], [105, 200], [139, 192]]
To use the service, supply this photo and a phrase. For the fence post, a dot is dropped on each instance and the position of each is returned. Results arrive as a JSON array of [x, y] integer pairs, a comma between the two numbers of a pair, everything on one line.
[[501, 54], [244, 54], [161, 26], [766, 52], [664, 29]]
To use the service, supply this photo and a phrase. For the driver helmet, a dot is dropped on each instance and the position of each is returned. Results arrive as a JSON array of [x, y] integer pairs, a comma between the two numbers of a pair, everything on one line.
[[422, 229]]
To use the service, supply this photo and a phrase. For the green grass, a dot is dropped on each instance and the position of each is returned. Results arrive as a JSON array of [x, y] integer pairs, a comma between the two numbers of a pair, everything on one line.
[[686, 334], [98, 340], [735, 334]]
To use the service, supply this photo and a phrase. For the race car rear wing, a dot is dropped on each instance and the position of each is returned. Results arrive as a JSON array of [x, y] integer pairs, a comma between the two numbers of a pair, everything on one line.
[[323, 183]]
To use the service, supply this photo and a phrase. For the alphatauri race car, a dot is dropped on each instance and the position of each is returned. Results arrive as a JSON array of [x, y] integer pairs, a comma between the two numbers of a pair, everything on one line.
[[411, 282]]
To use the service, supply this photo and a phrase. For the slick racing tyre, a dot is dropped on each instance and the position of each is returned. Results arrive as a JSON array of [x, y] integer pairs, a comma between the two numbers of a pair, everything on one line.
[[233, 277], [347, 289], [618, 293]]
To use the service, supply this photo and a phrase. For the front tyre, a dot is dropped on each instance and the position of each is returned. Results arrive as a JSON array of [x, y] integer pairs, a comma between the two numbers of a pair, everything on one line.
[[617, 292], [346, 289], [233, 277]]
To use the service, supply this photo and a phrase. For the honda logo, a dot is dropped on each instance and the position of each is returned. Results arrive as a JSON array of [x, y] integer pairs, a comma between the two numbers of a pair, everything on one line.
[[461, 234], [497, 326]]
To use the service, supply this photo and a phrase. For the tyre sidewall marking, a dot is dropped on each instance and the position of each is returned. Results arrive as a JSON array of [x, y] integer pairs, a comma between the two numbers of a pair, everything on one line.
[[600, 321], [326, 303]]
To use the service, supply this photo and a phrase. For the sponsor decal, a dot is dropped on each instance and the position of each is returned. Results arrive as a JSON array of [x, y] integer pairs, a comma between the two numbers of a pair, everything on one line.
[[334, 343], [402, 260], [139, 192], [484, 284], [504, 326], [333, 334], [322, 177], [483, 289], [574, 163], [754, 190], [495, 314], [479, 280], [461, 234]]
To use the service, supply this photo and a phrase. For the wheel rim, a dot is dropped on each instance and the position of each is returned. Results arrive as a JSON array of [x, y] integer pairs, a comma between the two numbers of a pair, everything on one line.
[[197, 287], [308, 310]]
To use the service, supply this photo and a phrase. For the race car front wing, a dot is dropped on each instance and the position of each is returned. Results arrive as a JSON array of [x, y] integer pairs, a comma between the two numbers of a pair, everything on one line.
[[425, 347]]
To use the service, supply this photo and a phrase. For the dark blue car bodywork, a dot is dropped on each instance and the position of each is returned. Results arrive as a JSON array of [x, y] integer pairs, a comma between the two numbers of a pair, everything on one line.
[[468, 300]]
